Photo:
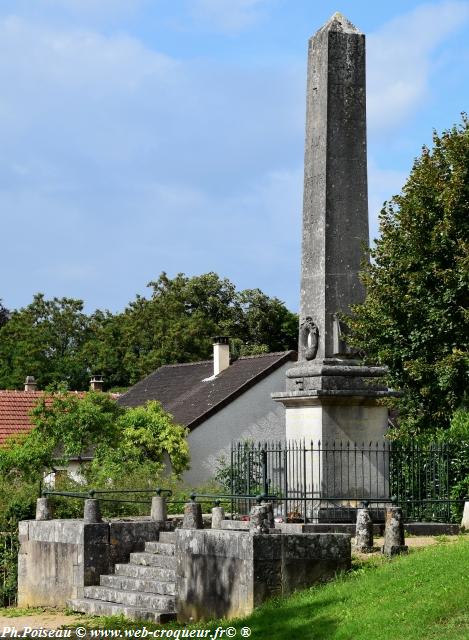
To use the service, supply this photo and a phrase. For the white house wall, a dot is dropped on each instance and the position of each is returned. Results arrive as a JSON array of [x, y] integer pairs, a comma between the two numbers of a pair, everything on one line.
[[252, 416]]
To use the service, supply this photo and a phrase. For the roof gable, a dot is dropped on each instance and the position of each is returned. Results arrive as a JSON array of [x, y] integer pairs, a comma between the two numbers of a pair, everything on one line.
[[185, 392]]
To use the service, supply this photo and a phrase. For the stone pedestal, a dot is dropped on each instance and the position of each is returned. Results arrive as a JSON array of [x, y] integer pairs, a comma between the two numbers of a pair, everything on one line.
[[394, 542], [261, 518], [158, 509], [192, 516], [364, 531], [351, 415], [43, 511], [218, 515], [465, 517], [92, 511]]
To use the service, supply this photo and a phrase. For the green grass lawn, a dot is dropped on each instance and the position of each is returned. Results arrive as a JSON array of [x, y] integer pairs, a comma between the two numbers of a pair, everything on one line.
[[421, 596]]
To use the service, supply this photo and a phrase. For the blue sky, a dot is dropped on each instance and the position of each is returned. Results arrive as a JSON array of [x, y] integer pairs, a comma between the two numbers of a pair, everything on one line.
[[146, 135]]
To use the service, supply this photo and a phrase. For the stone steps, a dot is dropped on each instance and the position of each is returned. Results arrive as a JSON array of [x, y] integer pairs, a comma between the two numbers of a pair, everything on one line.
[[153, 560], [142, 599], [101, 608], [142, 589], [162, 548], [162, 587], [144, 572], [167, 536]]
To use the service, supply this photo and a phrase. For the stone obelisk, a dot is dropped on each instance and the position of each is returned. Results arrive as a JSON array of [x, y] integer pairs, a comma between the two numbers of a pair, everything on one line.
[[330, 395]]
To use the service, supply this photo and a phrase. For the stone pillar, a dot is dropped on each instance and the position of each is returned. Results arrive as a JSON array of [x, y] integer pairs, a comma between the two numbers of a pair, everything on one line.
[[92, 510], [261, 518], [192, 516], [218, 515], [43, 511], [465, 516], [158, 509], [331, 396], [394, 542], [364, 531]]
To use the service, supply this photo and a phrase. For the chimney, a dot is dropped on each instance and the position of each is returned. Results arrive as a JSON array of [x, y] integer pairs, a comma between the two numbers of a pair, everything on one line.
[[30, 383], [221, 354], [96, 383]]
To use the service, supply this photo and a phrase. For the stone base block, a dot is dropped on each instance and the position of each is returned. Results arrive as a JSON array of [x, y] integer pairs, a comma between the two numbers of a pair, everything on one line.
[[227, 573], [394, 550]]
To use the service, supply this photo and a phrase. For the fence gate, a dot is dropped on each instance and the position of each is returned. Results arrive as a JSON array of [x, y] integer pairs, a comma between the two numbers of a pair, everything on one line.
[[326, 482]]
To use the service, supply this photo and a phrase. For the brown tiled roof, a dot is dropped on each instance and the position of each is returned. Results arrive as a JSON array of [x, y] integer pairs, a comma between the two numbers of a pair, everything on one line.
[[15, 407], [182, 391]]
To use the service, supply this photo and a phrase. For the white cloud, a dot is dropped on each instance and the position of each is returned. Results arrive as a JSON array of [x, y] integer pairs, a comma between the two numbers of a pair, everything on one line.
[[227, 16], [127, 160], [402, 57]]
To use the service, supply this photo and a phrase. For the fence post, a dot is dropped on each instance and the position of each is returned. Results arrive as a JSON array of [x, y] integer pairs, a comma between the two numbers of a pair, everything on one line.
[[218, 515], [364, 530], [158, 508], [192, 514], [92, 509], [394, 542], [465, 515], [261, 517], [43, 511], [265, 484]]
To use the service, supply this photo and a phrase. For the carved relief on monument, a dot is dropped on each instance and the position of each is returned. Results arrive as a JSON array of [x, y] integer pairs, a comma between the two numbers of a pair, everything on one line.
[[309, 339]]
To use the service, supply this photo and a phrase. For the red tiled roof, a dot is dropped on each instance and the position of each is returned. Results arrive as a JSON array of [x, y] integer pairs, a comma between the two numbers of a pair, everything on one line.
[[15, 407]]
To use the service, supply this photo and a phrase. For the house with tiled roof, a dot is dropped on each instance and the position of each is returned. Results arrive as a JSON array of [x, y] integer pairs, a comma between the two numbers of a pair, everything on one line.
[[15, 416], [219, 401], [16, 407]]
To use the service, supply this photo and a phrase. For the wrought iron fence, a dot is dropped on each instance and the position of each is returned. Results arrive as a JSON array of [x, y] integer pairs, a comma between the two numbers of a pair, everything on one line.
[[327, 481]]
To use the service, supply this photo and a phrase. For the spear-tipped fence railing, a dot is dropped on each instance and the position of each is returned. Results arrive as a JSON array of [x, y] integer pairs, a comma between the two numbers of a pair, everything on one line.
[[317, 481]]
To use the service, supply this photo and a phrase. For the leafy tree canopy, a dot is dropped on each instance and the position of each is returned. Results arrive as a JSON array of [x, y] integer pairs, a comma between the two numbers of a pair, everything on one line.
[[55, 341], [4, 314], [45, 340], [415, 319], [183, 314], [120, 439]]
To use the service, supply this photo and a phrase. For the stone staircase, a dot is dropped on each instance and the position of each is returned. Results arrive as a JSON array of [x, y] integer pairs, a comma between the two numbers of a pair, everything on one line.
[[142, 589]]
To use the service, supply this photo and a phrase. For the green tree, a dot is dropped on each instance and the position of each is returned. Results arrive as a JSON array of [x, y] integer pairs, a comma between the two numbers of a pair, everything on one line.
[[104, 350], [66, 425], [263, 324], [4, 314], [122, 440], [183, 314], [415, 319], [55, 341], [45, 339], [146, 435]]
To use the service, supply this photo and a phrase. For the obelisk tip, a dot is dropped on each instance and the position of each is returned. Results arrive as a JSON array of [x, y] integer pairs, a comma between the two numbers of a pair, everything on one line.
[[340, 23]]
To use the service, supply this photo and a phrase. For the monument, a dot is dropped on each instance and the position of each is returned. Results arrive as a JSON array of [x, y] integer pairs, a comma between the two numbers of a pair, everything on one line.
[[330, 395]]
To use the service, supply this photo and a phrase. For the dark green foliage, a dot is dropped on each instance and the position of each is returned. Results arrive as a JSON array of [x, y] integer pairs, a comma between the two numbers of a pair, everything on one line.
[[415, 319], [458, 438], [124, 442], [45, 340], [17, 502], [183, 314], [4, 314], [55, 341]]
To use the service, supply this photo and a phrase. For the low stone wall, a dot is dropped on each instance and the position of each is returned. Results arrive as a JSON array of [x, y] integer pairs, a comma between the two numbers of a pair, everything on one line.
[[58, 558], [227, 573]]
